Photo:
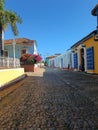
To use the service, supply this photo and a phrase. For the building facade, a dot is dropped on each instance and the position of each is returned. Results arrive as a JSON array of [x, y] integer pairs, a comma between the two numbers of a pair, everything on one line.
[[62, 61], [20, 46], [84, 54]]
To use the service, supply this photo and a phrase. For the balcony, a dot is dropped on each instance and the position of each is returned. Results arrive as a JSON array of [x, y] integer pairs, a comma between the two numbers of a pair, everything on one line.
[[6, 62]]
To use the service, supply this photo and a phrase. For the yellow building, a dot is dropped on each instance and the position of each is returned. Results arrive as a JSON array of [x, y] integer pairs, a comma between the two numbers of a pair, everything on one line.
[[85, 53]]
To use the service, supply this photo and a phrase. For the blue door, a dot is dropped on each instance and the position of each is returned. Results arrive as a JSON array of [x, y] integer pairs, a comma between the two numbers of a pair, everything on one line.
[[75, 61], [90, 58]]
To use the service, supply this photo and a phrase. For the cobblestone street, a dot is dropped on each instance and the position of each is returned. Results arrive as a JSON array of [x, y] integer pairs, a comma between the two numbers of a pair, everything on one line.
[[51, 99]]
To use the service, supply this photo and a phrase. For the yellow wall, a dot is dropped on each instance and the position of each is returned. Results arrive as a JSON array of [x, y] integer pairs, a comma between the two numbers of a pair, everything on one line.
[[91, 43], [8, 75]]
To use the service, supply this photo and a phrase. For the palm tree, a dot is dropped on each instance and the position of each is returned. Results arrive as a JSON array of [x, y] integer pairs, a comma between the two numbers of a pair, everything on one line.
[[7, 18]]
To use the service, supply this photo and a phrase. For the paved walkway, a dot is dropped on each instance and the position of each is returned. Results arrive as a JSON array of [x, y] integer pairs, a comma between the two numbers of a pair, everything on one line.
[[51, 99]]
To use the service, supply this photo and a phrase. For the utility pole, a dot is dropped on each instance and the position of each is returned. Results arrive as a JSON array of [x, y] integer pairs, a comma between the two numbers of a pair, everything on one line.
[[94, 12]]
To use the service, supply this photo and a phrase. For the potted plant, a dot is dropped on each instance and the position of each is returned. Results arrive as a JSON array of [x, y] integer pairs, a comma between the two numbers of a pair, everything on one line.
[[29, 61]]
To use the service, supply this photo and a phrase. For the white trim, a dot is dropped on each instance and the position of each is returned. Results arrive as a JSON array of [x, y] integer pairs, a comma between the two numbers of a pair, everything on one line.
[[85, 59]]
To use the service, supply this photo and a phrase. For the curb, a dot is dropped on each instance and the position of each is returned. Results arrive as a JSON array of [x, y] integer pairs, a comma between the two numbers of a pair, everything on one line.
[[13, 82]]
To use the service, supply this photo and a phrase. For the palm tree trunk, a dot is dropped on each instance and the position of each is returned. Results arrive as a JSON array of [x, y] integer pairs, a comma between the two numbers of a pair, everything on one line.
[[1, 41]]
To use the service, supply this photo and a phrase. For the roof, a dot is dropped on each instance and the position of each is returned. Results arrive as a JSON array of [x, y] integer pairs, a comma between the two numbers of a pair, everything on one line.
[[51, 57], [84, 39], [19, 41], [94, 11]]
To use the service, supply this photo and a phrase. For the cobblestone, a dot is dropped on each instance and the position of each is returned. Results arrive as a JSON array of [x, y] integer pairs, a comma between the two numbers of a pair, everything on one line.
[[51, 99]]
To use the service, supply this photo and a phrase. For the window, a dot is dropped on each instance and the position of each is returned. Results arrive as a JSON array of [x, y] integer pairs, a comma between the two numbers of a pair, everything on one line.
[[90, 58], [5, 53], [75, 60], [23, 51]]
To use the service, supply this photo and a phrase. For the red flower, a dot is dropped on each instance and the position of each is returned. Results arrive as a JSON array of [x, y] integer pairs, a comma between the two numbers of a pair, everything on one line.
[[30, 58]]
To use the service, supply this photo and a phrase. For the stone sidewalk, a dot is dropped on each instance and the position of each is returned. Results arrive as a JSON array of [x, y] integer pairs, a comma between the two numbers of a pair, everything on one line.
[[51, 99]]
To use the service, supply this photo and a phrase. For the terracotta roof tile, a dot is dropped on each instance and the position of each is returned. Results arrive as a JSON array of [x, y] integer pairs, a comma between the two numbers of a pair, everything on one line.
[[50, 57], [20, 41]]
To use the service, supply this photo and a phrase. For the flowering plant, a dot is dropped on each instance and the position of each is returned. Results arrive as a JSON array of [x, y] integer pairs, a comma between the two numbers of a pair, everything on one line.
[[30, 58]]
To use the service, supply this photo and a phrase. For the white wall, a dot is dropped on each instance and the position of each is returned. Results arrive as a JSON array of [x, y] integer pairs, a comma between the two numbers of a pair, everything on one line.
[[62, 60]]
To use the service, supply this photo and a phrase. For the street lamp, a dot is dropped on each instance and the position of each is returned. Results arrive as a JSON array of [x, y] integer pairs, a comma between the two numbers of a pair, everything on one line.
[[14, 42], [94, 12]]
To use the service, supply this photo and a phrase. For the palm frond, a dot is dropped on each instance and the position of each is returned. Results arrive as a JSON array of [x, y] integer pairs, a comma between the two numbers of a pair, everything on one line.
[[9, 18], [13, 20], [2, 4]]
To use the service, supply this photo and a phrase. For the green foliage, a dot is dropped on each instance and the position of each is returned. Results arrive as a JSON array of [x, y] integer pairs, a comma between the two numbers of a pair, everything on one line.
[[8, 17], [2, 4]]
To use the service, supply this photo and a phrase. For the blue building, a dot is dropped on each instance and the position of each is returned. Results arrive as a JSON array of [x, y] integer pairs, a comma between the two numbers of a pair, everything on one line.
[[21, 46]]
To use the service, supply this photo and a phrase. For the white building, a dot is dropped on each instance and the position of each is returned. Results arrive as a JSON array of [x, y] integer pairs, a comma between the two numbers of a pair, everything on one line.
[[62, 61]]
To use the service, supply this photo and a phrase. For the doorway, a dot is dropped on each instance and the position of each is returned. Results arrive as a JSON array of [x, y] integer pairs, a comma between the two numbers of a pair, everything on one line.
[[82, 63]]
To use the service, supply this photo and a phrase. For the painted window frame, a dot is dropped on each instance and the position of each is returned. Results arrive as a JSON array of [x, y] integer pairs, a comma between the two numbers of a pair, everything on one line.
[[75, 60], [90, 58]]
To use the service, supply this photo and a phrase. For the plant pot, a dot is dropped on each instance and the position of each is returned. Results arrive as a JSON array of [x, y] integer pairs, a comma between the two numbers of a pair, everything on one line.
[[28, 68]]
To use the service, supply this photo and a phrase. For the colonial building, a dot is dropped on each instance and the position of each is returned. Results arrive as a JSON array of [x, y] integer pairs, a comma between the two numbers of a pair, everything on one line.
[[62, 61], [49, 61], [21, 45], [85, 54]]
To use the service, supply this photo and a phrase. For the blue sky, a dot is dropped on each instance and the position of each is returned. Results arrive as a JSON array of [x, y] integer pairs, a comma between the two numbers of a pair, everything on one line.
[[55, 24]]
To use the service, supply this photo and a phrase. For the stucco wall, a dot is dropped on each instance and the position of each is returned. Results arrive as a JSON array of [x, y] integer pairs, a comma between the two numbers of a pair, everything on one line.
[[18, 48], [8, 75], [91, 43], [62, 61]]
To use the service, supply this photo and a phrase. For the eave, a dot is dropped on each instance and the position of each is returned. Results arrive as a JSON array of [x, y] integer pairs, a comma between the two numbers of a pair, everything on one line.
[[20, 41], [84, 39]]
